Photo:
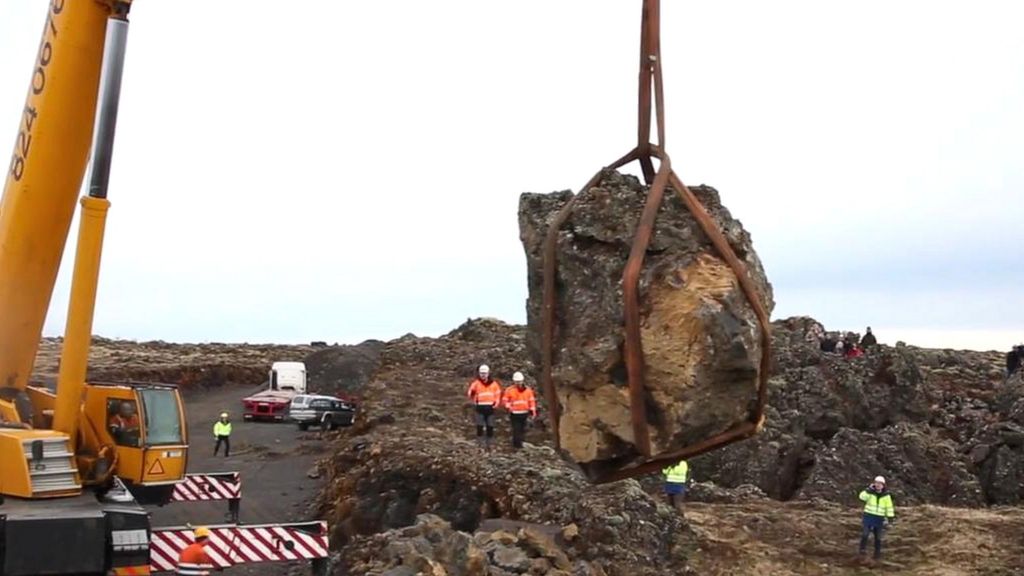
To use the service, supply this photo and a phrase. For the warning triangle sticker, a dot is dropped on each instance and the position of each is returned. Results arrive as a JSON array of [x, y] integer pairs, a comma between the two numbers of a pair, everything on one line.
[[157, 467]]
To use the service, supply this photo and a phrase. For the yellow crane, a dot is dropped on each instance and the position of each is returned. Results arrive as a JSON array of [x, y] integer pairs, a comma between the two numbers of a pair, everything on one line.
[[78, 463], [67, 455]]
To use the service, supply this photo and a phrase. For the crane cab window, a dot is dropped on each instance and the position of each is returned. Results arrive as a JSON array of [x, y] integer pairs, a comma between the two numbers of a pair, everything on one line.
[[163, 416], [123, 422]]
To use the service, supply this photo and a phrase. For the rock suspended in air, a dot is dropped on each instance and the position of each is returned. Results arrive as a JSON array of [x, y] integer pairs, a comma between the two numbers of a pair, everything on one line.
[[700, 336]]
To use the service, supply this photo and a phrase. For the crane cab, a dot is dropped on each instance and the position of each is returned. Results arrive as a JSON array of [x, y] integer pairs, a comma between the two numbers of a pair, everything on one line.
[[136, 431], [145, 424]]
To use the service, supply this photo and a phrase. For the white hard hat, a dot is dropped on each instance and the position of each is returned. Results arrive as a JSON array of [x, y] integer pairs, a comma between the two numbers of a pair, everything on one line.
[[518, 377], [223, 414], [484, 369], [880, 479]]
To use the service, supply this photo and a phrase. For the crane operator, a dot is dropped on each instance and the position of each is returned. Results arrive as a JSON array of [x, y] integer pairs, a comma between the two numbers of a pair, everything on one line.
[[124, 425]]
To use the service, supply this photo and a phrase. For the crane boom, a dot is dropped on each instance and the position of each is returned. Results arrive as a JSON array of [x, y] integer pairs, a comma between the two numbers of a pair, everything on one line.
[[45, 175]]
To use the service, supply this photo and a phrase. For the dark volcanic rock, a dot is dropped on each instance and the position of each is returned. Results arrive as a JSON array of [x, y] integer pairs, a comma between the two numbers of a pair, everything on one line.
[[918, 465], [385, 483], [938, 423], [431, 546], [998, 448], [700, 335]]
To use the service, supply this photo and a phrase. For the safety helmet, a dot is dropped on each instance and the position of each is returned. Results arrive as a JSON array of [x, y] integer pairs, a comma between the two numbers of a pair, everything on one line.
[[484, 369], [880, 479], [518, 377], [202, 532], [223, 414]]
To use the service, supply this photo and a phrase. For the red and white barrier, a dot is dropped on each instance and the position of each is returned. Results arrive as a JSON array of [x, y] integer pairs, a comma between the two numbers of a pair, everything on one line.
[[197, 487], [232, 544]]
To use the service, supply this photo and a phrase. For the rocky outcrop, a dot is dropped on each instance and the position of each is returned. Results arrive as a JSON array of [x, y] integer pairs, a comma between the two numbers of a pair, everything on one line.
[[939, 424], [383, 481], [412, 452], [699, 334], [432, 546], [997, 449], [925, 467], [477, 341]]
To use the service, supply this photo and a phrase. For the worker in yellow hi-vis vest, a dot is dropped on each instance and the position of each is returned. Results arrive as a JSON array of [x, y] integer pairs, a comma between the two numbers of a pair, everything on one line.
[[222, 432], [878, 510], [675, 483]]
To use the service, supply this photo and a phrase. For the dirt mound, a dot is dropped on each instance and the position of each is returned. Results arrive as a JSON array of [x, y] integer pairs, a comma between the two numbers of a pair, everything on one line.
[[187, 365], [343, 370]]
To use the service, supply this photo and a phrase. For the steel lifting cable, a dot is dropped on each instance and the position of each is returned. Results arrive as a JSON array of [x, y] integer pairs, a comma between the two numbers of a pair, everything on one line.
[[650, 77]]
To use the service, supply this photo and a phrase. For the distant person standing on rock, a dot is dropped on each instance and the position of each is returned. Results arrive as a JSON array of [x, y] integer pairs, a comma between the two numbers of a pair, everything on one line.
[[828, 344], [877, 509], [222, 433], [485, 394], [868, 339], [521, 404], [675, 483], [1013, 359]]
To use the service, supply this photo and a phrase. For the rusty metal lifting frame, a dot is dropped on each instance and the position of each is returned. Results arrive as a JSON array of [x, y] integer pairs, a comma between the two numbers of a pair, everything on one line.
[[650, 79]]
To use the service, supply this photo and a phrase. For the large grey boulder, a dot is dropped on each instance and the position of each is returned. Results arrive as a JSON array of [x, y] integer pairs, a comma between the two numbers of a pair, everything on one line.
[[700, 336]]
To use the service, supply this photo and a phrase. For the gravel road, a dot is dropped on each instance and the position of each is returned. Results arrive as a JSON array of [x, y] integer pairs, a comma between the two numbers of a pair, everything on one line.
[[273, 459]]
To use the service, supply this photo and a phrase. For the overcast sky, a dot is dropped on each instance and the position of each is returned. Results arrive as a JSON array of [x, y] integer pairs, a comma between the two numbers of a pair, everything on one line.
[[344, 170]]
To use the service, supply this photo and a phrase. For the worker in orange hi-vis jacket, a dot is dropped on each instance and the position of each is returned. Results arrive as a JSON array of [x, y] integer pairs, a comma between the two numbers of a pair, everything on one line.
[[521, 404], [485, 394], [194, 561]]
